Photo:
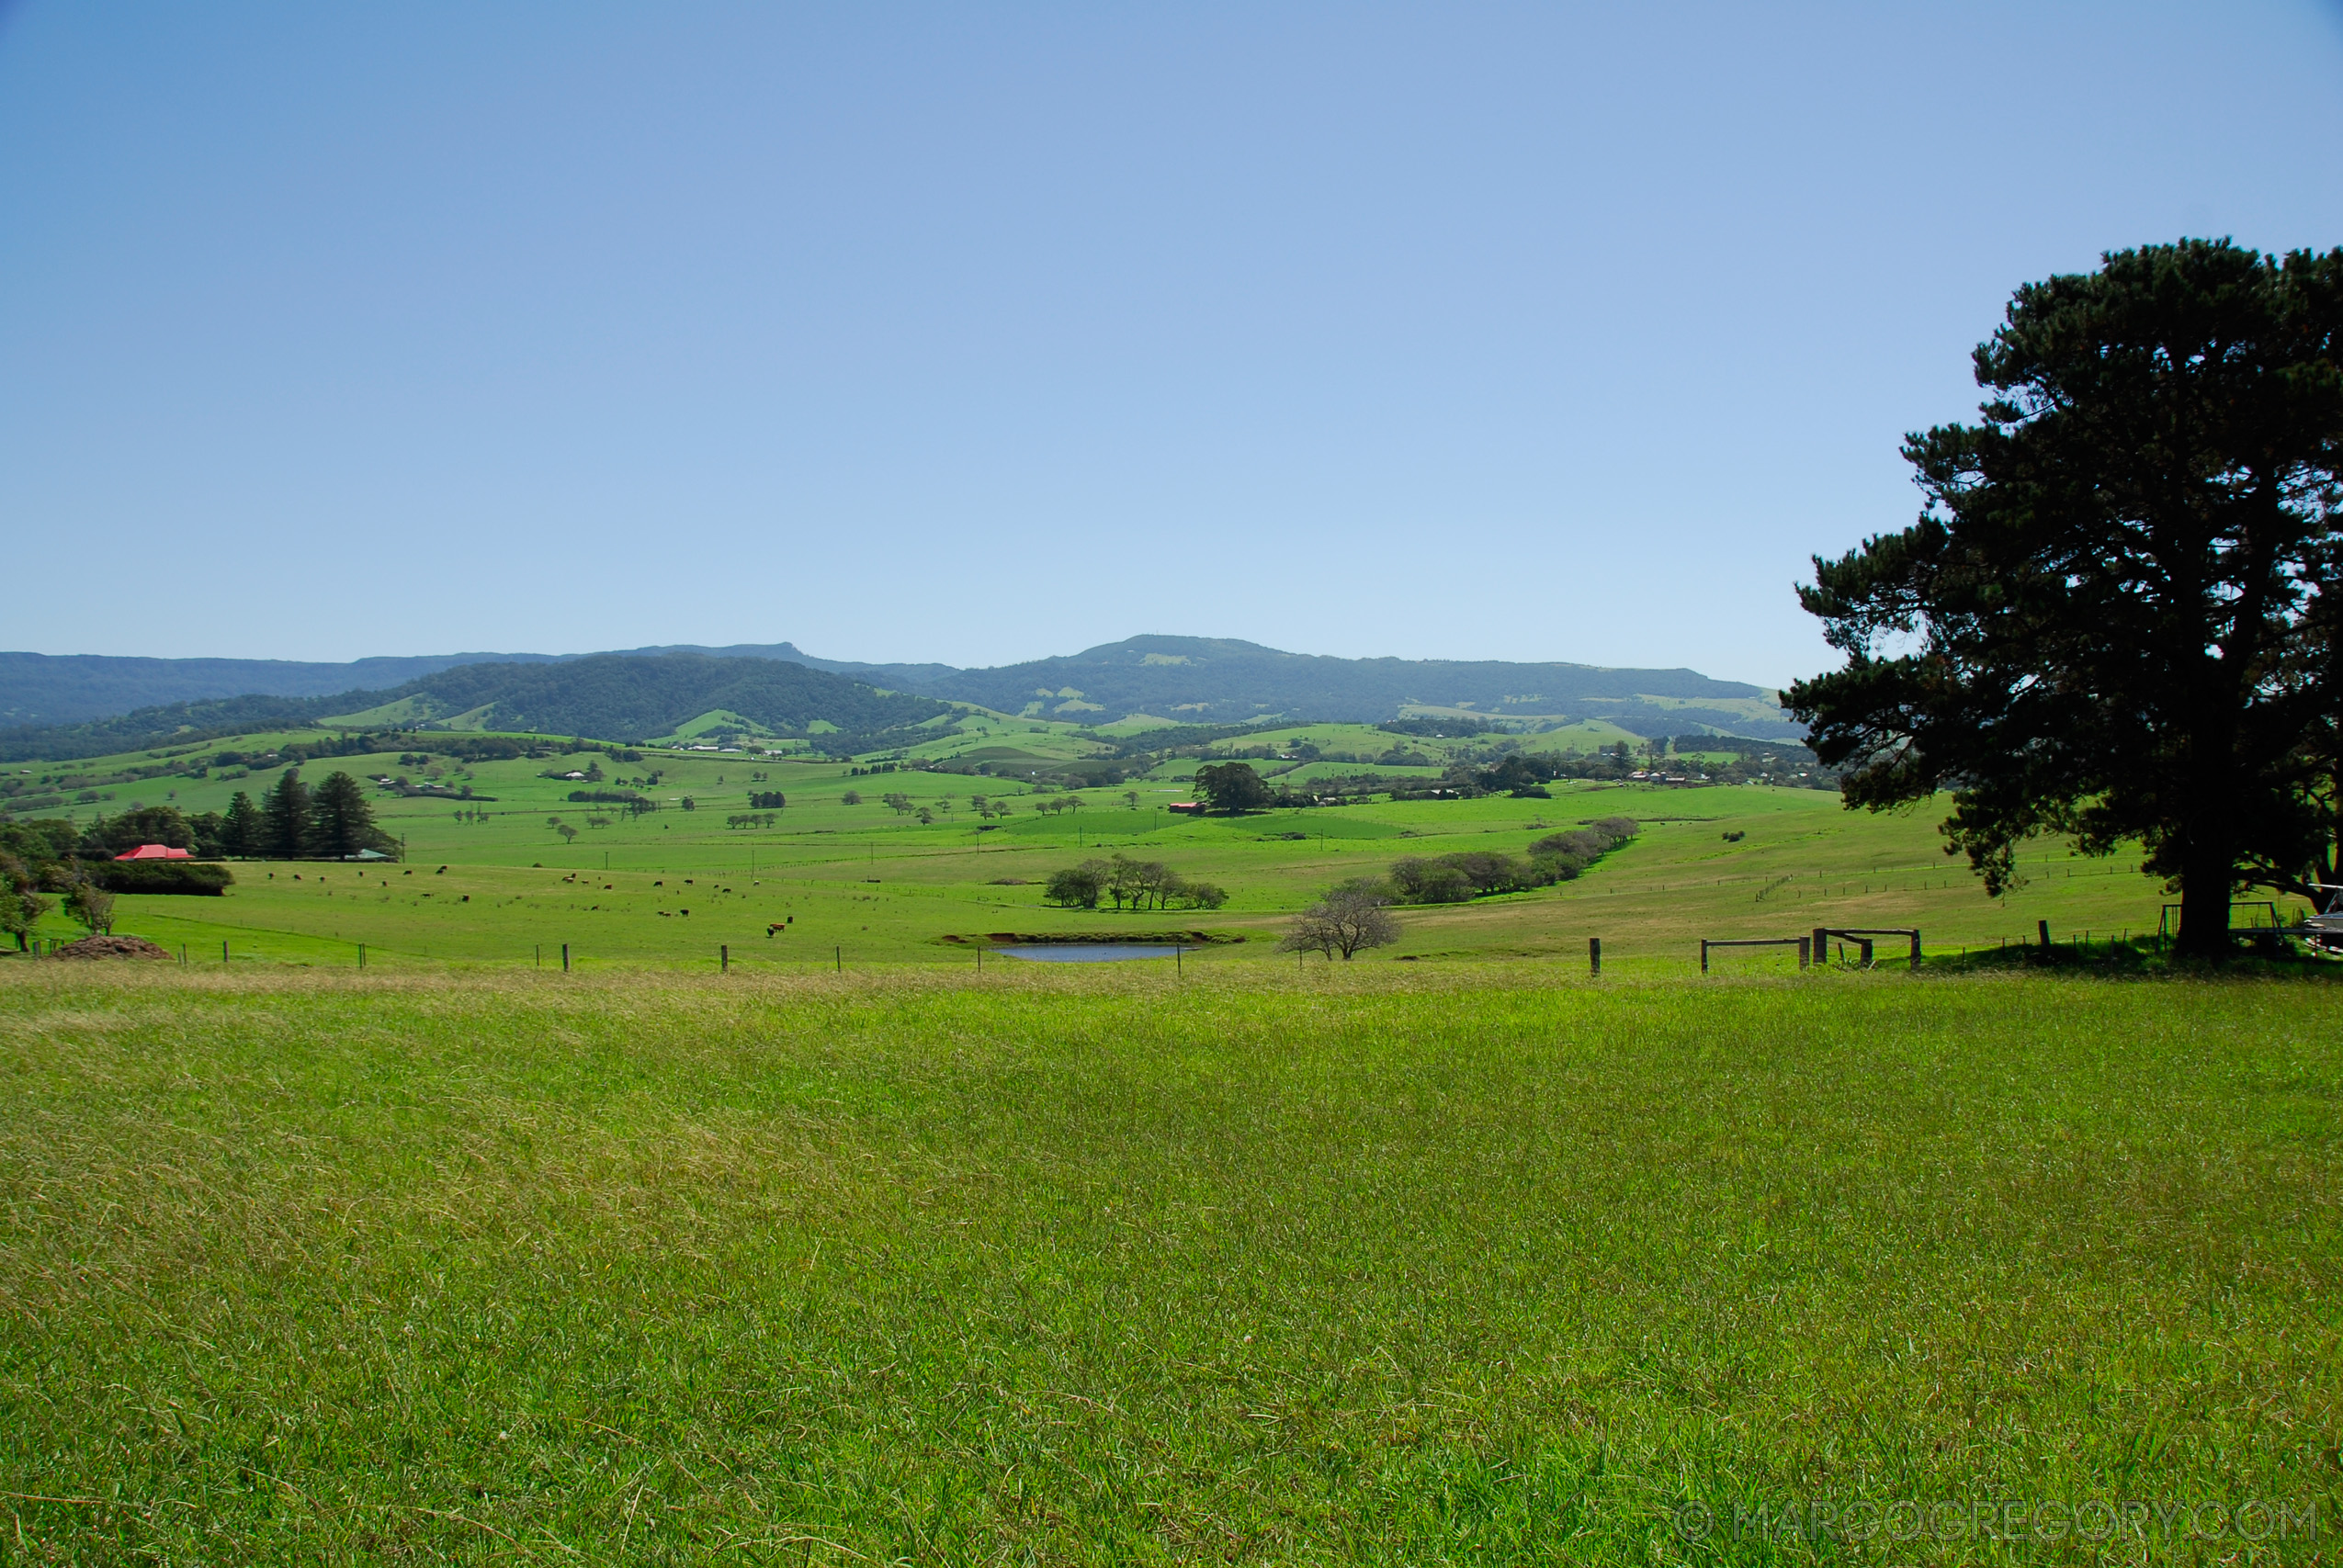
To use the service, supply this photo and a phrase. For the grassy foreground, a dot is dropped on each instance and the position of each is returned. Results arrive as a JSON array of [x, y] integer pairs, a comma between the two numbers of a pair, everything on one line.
[[1388, 1265]]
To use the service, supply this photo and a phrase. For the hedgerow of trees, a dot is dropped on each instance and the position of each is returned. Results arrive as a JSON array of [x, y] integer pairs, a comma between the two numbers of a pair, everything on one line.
[[1457, 878], [1130, 884]]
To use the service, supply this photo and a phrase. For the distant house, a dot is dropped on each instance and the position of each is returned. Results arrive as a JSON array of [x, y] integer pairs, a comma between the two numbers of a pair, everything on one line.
[[155, 851], [1188, 808]]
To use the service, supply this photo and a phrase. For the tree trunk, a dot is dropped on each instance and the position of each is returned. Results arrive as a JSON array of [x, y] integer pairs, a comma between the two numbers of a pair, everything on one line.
[[2205, 875]]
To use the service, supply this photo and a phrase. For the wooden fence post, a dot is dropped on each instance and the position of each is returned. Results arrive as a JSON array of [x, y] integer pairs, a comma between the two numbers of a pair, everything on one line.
[[1805, 951], [1594, 956], [565, 958]]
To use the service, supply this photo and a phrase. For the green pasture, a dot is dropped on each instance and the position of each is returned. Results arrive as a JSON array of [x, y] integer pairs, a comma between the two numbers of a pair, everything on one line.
[[1379, 1264], [867, 883]]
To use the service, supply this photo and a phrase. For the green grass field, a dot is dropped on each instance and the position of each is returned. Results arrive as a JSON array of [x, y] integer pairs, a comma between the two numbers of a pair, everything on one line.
[[1414, 1264], [865, 885]]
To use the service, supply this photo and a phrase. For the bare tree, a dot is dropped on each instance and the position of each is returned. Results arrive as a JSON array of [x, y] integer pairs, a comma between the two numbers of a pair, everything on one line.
[[1348, 919]]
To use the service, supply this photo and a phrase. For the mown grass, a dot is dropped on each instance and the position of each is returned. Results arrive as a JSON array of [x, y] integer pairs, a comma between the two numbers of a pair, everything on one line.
[[1391, 1266]]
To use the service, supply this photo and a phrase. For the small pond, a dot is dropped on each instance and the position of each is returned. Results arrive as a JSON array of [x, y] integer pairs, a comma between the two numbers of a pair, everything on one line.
[[1088, 951]]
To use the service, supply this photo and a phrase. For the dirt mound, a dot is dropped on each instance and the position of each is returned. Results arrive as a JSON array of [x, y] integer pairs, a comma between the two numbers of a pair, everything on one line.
[[110, 947]]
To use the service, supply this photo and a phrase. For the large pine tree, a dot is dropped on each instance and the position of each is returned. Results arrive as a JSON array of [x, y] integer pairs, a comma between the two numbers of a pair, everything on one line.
[[241, 831], [2118, 618], [285, 819], [341, 822]]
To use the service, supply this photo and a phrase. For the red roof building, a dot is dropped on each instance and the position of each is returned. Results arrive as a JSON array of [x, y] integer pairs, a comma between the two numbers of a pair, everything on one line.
[[155, 851]]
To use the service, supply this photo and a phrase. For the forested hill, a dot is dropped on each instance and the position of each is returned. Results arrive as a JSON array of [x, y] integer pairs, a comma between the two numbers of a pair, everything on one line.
[[1179, 679], [41, 688], [1221, 681], [625, 697], [606, 697], [54, 689]]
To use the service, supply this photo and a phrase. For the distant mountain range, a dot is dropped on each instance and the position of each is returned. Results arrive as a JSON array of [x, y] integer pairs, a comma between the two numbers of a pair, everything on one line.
[[601, 696], [776, 688], [41, 688]]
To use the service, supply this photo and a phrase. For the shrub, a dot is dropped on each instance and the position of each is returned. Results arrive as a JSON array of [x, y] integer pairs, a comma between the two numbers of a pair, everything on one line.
[[91, 907], [194, 878]]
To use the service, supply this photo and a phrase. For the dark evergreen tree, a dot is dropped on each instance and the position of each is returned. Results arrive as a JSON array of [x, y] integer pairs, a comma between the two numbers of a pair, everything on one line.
[[241, 831], [209, 830], [2116, 618], [341, 821], [284, 818]]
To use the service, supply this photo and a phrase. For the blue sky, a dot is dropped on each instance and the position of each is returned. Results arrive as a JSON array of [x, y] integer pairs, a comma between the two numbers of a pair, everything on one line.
[[980, 332]]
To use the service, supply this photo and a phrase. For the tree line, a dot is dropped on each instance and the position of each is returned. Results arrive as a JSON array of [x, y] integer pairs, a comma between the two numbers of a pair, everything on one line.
[[1355, 915], [291, 821], [50, 855], [1130, 884], [1457, 878]]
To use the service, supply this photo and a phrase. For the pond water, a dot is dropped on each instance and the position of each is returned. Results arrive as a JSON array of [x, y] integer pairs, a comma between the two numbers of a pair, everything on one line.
[[1088, 951]]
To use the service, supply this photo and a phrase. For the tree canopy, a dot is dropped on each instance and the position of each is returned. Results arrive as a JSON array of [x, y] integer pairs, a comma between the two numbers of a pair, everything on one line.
[[1232, 786], [2115, 616]]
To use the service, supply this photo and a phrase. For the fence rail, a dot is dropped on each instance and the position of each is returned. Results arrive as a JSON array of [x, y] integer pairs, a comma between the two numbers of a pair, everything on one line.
[[1801, 943]]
